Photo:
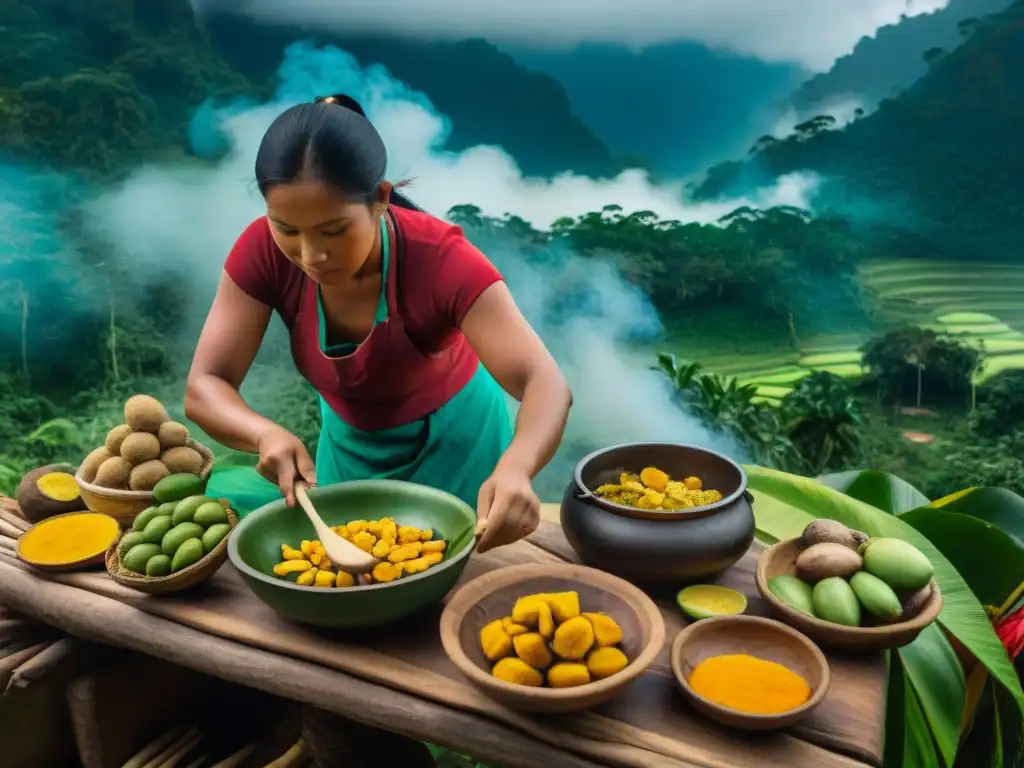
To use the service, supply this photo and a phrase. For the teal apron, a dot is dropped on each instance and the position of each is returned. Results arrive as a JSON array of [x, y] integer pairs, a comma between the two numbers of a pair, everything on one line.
[[454, 449]]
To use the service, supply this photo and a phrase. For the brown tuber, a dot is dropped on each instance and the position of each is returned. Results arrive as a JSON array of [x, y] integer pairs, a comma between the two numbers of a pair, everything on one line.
[[172, 434], [114, 473], [91, 464], [828, 531], [140, 447], [147, 475], [144, 413], [182, 460], [115, 438], [825, 560], [48, 491]]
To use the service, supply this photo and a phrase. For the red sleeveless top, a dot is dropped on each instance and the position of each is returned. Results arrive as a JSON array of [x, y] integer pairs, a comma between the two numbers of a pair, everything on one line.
[[411, 364]]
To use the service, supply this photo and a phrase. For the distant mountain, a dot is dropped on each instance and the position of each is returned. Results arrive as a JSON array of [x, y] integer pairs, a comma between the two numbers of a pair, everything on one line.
[[945, 157], [893, 59], [490, 98], [680, 105]]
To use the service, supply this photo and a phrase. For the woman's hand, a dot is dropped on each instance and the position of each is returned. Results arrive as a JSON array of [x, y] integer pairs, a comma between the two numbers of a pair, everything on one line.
[[509, 507], [283, 460]]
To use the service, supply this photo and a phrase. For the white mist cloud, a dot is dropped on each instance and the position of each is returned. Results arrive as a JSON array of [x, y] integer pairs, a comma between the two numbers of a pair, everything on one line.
[[809, 32], [190, 214]]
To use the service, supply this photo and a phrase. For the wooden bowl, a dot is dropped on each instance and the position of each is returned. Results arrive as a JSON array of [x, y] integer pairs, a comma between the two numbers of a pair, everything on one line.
[[764, 638], [77, 565], [781, 559], [492, 596], [124, 506], [174, 582]]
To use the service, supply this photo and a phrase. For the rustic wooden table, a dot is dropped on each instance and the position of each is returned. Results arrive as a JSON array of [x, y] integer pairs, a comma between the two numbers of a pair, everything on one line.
[[402, 681]]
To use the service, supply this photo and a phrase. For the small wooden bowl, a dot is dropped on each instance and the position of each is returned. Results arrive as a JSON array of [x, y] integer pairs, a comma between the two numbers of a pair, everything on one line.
[[124, 506], [764, 638], [492, 596], [781, 559], [77, 565], [174, 582]]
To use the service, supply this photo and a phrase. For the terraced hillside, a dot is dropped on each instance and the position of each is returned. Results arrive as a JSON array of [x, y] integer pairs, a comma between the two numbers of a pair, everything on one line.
[[978, 303]]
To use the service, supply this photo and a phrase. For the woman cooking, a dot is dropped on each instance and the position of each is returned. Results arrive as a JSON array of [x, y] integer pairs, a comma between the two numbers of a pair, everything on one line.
[[405, 330]]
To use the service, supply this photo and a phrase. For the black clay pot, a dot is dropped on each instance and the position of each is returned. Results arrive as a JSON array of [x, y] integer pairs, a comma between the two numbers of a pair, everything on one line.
[[658, 547]]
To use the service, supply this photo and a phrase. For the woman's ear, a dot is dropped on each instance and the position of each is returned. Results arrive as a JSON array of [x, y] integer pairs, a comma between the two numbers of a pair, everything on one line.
[[384, 196]]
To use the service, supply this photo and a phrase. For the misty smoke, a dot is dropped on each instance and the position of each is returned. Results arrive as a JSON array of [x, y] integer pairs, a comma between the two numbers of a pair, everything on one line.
[[185, 216]]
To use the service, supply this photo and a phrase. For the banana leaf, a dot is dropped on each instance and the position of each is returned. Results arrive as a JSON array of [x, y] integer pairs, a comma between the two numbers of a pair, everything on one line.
[[778, 494], [987, 558], [997, 506], [879, 489]]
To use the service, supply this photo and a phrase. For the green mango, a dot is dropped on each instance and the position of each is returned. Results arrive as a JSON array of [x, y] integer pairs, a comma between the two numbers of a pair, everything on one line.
[[180, 533], [189, 553], [835, 601], [143, 518], [215, 535], [897, 563], [177, 487], [158, 565], [156, 529], [794, 592], [210, 513], [136, 558], [187, 507]]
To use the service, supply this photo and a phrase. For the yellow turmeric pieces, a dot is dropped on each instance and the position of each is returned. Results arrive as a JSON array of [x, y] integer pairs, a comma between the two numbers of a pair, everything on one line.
[[547, 639], [749, 684], [402, 550], [654, 489]]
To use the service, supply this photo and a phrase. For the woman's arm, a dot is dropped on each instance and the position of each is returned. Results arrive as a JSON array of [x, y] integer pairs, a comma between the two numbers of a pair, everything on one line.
[[513, 353], [228, 344]]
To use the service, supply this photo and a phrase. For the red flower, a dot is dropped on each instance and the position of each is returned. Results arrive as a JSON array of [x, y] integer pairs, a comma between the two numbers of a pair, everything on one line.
[[1011, 632]]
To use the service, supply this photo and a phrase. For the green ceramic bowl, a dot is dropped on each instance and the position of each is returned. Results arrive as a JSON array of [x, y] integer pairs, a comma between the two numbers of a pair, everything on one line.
[[255, 548]]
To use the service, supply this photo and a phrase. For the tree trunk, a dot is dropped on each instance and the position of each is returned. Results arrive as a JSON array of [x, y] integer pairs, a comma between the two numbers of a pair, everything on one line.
[[23, 294], [920, 369], [113, 339]]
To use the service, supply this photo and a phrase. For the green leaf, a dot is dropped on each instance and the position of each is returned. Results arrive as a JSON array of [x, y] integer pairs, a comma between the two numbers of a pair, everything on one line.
[[998, 506], [962, 615], [961, 538], [937, 679], [777, 520], [879, 489], [918, 748]]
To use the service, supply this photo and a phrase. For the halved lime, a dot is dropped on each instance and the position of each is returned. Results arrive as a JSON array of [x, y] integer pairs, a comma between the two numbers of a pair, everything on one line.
[[702, 601]]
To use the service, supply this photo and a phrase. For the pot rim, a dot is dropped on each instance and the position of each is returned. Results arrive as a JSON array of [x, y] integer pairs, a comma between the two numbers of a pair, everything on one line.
[[583, 493]]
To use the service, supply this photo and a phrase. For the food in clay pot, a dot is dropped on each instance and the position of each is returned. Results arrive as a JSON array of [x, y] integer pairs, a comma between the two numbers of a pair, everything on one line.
[[658, 514], [877, 581], [48, 491], [548, 639], [142, 452]]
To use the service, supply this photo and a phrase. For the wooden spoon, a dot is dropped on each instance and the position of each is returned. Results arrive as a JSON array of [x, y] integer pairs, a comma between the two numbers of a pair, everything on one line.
[[345, 555]]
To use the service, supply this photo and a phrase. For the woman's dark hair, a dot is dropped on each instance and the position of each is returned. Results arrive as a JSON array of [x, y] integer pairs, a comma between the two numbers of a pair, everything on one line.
[[329, 139]]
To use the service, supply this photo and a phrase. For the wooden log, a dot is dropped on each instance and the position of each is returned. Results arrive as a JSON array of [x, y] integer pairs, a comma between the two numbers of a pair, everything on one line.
[[13, 629], [67, 658], [15, 660], [113, 623], [14, 520], [8, 530], [155, 747], [109, 726], [35, 730]]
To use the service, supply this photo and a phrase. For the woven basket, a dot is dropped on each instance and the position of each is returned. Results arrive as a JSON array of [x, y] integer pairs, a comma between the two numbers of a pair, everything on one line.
[[175, 582], [124, 506]]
